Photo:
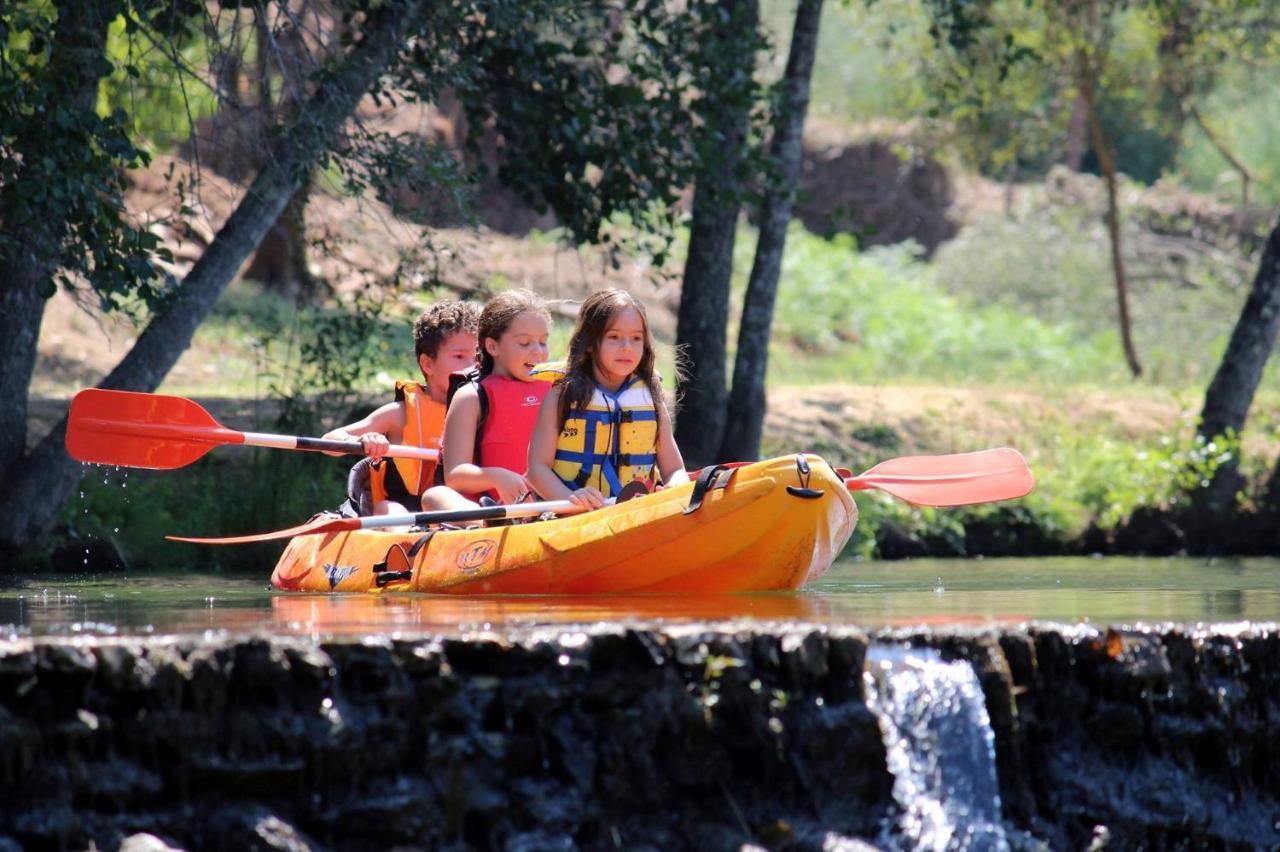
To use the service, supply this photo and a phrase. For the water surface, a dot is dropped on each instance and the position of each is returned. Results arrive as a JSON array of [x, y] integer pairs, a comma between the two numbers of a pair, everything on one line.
[[872, 594]]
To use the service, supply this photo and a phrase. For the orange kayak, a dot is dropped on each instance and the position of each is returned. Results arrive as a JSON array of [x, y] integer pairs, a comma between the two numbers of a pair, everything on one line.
[[765, 526]]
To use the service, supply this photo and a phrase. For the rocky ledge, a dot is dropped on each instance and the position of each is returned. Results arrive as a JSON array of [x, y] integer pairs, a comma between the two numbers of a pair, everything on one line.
[[661, 738]]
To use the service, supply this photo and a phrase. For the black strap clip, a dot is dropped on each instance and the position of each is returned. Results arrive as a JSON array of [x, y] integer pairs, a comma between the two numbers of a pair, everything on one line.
[[803, 490], [712, 477], [397, 565]]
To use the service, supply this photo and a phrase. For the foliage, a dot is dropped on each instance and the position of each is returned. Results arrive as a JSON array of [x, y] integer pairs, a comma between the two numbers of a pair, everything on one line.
[[150, 84], [884, 316], [1084, 480], [867, 61], [63, 167], [241, 491], [1047, 259], [1244, 112], [602, 116]]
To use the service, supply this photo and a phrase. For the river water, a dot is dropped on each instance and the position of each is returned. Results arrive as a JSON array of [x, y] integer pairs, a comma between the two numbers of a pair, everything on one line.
[[1104, 591]]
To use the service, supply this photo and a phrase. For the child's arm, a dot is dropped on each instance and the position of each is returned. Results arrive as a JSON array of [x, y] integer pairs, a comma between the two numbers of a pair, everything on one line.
[[461, 473], [542, 456], [376, 430], [670, 462]]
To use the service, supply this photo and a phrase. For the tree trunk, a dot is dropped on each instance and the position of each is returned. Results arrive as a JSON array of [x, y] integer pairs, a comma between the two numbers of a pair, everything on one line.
[[280, 262], [1102, 148], [1077, 132], [704, 296], [40, 483], [1227, 401], [26, 271], [747, 401], [1246, 174]]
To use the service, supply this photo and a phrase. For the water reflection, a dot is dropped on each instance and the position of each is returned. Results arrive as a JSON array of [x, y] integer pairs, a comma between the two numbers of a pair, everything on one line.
[[361, 614], [931, 592]]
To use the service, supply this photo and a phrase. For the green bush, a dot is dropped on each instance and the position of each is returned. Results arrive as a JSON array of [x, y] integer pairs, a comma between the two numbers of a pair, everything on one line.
[[882, 316]]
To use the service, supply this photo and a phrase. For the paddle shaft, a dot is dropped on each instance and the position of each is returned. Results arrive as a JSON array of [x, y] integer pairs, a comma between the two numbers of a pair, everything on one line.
[[483, 513], [325, 445], [443, 516], [217, 436]]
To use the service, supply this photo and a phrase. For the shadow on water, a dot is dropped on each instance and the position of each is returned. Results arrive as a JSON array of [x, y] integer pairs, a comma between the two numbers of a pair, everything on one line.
[[932, 592]]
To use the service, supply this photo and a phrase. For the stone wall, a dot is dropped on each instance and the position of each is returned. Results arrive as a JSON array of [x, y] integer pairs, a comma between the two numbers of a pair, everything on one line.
[[618, 738], [614, 740]]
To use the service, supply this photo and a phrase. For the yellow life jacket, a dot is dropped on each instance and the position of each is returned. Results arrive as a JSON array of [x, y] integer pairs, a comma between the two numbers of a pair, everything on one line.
[[548, 371], [404, 480], [610, 442]]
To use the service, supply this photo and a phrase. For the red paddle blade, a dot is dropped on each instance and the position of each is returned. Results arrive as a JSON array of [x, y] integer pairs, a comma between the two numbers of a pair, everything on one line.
[[141, 429], [319, 525], [955, 480]]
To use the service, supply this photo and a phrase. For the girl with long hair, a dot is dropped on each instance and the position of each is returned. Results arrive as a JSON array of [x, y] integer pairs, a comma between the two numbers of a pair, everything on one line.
[[605, 423], [491, 418]]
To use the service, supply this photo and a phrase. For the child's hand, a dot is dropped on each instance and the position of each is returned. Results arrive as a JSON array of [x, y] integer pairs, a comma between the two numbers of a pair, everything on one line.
[[511, 486], [375, 445], [589, 497]]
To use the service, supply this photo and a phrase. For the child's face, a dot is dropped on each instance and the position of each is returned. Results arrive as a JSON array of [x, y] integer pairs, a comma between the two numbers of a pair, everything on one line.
[[457, 352], [620, 350], [521, 347]]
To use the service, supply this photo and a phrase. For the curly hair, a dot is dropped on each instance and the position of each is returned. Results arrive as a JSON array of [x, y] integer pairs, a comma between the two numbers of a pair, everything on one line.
[[434, 325]]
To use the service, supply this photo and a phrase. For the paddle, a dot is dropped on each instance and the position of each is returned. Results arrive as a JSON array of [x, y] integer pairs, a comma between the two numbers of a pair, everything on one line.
[[444, 516], [164, 432], [955, 480]]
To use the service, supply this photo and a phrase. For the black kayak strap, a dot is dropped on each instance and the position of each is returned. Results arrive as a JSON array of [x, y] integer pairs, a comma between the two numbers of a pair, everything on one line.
[[713, 477]]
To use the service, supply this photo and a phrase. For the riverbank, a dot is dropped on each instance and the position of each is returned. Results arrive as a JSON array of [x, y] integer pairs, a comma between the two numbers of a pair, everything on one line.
[[707, 737], [1107, 464]]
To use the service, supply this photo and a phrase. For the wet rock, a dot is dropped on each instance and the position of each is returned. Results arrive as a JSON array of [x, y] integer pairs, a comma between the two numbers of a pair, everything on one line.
[[143, 842], [1135, 739], [683, 739], [256, 830]]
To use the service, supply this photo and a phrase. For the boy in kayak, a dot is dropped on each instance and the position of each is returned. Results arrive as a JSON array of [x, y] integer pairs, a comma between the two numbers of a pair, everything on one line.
[[605, 423], [491, 416], [444, 340]]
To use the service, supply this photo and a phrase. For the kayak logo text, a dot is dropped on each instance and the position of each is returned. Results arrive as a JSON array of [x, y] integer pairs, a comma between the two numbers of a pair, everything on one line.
[[337, 573], [476, 555]]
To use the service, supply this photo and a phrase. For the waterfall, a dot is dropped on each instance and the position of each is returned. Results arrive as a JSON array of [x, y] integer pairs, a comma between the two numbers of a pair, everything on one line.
[[941, 751]]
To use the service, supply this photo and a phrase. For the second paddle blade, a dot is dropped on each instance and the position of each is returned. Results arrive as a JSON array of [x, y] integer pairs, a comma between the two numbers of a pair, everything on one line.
[[951, 480], [141, 429]]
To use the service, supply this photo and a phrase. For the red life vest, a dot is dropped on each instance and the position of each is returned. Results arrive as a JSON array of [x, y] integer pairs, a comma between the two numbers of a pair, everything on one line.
[[513, 413], [508, 415]]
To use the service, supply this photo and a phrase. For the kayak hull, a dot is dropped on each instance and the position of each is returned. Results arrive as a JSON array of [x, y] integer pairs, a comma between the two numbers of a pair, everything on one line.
[[771, 527]]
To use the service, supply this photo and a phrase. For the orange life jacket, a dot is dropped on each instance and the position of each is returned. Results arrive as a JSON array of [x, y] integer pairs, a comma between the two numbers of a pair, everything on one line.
[[404, 480]]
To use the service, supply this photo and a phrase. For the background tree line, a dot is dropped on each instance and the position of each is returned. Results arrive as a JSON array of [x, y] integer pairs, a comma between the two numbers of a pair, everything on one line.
[[606, 111]]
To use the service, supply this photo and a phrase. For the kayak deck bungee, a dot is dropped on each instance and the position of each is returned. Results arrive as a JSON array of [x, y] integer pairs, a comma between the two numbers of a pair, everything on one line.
[[769, 525]]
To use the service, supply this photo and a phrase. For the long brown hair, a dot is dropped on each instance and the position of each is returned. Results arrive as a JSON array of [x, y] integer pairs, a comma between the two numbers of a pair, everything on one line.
[[498, 314], [594, 318]]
